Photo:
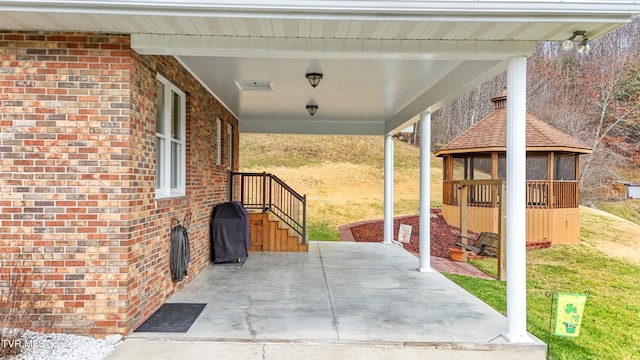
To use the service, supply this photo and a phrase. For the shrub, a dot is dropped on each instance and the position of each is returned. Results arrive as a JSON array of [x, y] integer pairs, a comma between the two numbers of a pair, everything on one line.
[[19, 295]]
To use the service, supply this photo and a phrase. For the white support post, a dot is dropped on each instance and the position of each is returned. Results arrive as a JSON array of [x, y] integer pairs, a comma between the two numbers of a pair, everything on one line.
[[516, 331], [425, 191], [388, 189]]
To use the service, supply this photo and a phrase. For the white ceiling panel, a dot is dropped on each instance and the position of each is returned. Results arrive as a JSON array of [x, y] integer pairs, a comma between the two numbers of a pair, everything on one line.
[[383, 61]]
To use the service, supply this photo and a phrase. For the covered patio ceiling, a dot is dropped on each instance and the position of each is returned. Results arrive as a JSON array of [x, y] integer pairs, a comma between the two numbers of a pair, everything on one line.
[[383, 61]]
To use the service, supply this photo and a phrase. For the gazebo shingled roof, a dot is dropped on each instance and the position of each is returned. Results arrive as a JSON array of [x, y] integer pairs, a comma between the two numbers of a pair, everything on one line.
[[490, 134]]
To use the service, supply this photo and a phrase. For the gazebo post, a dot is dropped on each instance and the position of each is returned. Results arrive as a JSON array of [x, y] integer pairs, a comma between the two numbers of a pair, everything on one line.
[[464, 214], [550, 177], [577, 178], [494, 176]]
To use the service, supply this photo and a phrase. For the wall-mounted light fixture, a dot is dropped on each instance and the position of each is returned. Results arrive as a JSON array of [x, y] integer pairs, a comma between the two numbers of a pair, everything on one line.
[[579, 37], [314, 78], [312, 108]]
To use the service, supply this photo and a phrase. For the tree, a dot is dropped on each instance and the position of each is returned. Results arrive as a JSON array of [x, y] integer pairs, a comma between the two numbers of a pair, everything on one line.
[[454, 118], [594, 98]]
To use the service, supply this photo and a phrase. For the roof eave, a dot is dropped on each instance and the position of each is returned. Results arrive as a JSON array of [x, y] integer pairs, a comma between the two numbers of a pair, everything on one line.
[[443, 152], [456, 10]]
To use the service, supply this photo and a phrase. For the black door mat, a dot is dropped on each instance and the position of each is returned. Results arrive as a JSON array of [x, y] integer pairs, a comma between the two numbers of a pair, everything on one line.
[[238, 262], [172, 317]]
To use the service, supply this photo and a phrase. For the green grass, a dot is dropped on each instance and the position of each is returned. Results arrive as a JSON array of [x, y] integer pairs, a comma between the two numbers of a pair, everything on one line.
[[322, 231], [629, 209], [610, 327], [268, 150], [342, 176]]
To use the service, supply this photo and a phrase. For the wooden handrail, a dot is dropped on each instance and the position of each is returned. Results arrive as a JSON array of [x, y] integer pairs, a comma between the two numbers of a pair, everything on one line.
[[267, 192]]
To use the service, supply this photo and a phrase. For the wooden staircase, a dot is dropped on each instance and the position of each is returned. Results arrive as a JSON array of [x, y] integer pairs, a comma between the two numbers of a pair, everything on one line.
[[268, 233]]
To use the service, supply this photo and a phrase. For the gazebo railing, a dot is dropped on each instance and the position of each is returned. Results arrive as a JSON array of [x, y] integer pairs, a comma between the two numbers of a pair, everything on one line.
[[541, 194]]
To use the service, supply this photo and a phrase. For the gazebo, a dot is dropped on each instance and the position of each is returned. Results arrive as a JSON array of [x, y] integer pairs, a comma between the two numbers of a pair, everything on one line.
[[552, 168]]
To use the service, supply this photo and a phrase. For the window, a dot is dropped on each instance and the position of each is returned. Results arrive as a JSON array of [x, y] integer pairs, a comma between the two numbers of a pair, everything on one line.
[[537, 167], [218, 142], [170, 139], [229, 147], [565, 167]]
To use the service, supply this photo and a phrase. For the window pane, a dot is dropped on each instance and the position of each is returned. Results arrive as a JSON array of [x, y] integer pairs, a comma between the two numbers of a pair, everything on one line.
[[502, 166], [481, 168], [160, 108], [537, 167], [458, 169], [159, 161], [565, 167], [175, 164], [175, 116]]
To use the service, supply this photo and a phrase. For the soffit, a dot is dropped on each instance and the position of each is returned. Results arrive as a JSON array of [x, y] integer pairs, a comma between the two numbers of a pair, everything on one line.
[[383, 61]]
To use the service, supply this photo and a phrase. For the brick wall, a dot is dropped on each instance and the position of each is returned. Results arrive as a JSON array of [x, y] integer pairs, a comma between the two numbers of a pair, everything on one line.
[[77, 207], [206, 183]]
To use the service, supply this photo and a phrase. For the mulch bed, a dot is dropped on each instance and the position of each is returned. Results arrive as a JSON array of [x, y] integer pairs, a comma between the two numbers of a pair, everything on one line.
[[443, 235]]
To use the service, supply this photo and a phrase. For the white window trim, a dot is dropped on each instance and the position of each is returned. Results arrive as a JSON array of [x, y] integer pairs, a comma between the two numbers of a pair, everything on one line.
[[165, 190], [229, 146], [218, 142]]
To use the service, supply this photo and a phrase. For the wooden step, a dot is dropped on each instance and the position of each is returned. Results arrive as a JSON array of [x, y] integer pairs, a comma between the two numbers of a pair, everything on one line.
[[268, 233], [282, 225]]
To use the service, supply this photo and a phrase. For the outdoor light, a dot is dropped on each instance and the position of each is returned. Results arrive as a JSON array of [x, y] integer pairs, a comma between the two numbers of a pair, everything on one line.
[[312, 109], [584, 47], [314, 78], [581, 38], [567, 44]]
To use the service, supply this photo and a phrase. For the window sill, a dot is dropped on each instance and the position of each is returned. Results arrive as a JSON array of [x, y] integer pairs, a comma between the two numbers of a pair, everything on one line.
[[172, 200]]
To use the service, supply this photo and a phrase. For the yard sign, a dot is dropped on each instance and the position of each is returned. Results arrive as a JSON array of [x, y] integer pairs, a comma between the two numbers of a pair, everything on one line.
[[569, 314], [404, 233]]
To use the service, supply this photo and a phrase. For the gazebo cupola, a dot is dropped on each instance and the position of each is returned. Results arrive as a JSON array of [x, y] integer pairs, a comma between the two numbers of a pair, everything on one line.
[[552, 166]]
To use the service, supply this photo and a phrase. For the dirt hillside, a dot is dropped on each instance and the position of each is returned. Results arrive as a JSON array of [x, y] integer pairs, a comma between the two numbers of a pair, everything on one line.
[[343, 179]]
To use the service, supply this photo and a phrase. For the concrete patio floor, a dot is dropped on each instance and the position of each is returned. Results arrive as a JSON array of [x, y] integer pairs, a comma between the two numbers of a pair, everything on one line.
[[361, 299]]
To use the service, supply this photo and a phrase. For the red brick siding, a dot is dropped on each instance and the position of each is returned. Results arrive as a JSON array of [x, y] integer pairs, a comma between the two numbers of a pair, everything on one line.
[[77, 205], [206, 183]]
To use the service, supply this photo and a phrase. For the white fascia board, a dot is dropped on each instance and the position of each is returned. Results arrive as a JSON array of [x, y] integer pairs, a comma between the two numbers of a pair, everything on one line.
[[311, 127], [337, 8], [226, 46], [462, 79]]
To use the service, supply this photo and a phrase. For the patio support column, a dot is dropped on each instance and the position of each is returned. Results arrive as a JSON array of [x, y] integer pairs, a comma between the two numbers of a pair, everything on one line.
[[516, 331], [425, 191], [388, 189]]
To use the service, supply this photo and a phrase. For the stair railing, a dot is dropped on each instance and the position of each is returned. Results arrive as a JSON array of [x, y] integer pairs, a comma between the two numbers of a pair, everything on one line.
[[267, 192]]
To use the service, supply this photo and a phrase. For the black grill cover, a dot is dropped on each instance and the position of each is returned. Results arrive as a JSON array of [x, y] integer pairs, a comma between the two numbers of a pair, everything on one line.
[[229, 232]]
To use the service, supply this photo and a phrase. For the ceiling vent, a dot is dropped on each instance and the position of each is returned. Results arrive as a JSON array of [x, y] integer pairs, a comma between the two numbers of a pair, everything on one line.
[[254, 85]]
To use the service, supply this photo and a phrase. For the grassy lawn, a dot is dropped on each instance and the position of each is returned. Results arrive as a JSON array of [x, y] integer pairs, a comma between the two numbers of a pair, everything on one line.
[[629, 209], [610, 328], [342, 176], [322, 231]]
